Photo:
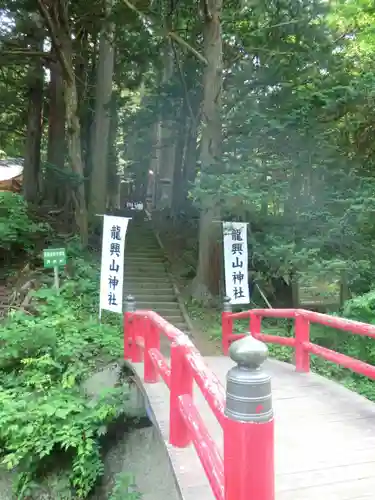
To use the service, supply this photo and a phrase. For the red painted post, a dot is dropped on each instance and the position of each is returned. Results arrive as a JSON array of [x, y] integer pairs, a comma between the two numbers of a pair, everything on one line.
[[302, 335], [255, 324], [152, 340], [249, 426], [181, 383], [128, 323], [136, 331], [226, 325]]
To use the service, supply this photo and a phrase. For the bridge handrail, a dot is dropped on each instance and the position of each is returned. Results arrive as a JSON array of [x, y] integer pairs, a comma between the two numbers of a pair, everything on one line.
[[142, 328], [301, 340], [247, 426]]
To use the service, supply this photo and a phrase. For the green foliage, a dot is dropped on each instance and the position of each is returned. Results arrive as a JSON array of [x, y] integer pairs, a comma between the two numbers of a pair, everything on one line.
[[17, 229], [45, 415], [361, 308], [124, 488]]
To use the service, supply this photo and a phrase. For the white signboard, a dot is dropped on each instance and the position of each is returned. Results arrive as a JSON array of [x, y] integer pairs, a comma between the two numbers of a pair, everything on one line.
[[112, 267], [235, 262], [134, 205]]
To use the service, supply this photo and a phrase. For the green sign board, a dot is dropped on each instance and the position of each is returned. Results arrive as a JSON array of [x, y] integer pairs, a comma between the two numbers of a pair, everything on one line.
[[54, 257]]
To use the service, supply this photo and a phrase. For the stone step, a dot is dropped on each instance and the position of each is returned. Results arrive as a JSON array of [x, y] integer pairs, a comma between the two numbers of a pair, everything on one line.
[[149, 287], [173, 318], [182, 326], [157, 264], [163, 313], [142, 240], [131, 267], [146, 242], [138, 252], [145, 280], [138, 255], [144, 273], [141, 264], [137, 239], [150, 295], [159, 297], [153, 283], [155, 305], [152, 268], [141, 245], [155, 269]]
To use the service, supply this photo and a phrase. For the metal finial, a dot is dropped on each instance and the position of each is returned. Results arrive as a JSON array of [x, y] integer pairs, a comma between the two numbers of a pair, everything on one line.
[[248, 353], [227, 306], [249, 397], [129, 304]]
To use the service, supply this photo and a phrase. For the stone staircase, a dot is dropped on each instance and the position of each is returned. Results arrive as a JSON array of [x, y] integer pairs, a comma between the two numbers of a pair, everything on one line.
[[146, 277]]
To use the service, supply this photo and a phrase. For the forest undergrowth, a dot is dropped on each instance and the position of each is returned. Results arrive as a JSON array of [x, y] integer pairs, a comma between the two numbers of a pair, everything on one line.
[[47, 421]]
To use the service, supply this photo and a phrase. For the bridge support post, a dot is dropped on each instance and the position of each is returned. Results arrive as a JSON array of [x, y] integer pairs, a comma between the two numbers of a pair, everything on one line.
[[129, 308], [249, 426], [181, 384], [226, 325], [302, 335], [255, 324], [152, 341]]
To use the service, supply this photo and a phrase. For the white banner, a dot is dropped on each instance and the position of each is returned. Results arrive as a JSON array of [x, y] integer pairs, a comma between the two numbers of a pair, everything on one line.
[[112, 267], [235, 262]]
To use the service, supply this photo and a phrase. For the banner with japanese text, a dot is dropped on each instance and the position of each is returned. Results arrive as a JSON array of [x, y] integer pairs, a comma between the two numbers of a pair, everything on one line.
[[235, 262], [112, 266]]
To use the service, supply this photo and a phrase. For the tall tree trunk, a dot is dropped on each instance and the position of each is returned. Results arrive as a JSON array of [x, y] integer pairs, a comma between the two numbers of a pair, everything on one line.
[[191, 151], [88, 113], [113, 187], [101, 125], [155, 161], [178, 180], [206, 280], [166, 141], [75, 158], [56, 136], [35, 82], [57, 21]]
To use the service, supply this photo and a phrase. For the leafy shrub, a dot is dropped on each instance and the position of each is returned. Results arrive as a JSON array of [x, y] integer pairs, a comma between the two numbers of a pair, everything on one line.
[[44, 414], [16, 227], [361, 308]]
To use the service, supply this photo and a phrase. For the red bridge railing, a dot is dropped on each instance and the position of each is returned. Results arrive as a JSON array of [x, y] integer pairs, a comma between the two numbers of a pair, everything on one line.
[[244, 411], [301, 341]]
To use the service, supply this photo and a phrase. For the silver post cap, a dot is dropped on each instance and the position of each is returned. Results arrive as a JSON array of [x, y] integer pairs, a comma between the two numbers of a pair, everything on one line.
[[248, 352], [227, 306], [249, 397], [130, 303]]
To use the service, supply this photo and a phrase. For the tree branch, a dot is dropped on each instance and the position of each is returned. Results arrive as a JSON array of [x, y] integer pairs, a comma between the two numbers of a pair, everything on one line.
[[183, 81], [26, 52], [169, 34], [55, 41], [187, 46]]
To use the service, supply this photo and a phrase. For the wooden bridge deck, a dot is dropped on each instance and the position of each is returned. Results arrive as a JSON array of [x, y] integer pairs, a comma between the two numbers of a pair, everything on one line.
[[325, 437]]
